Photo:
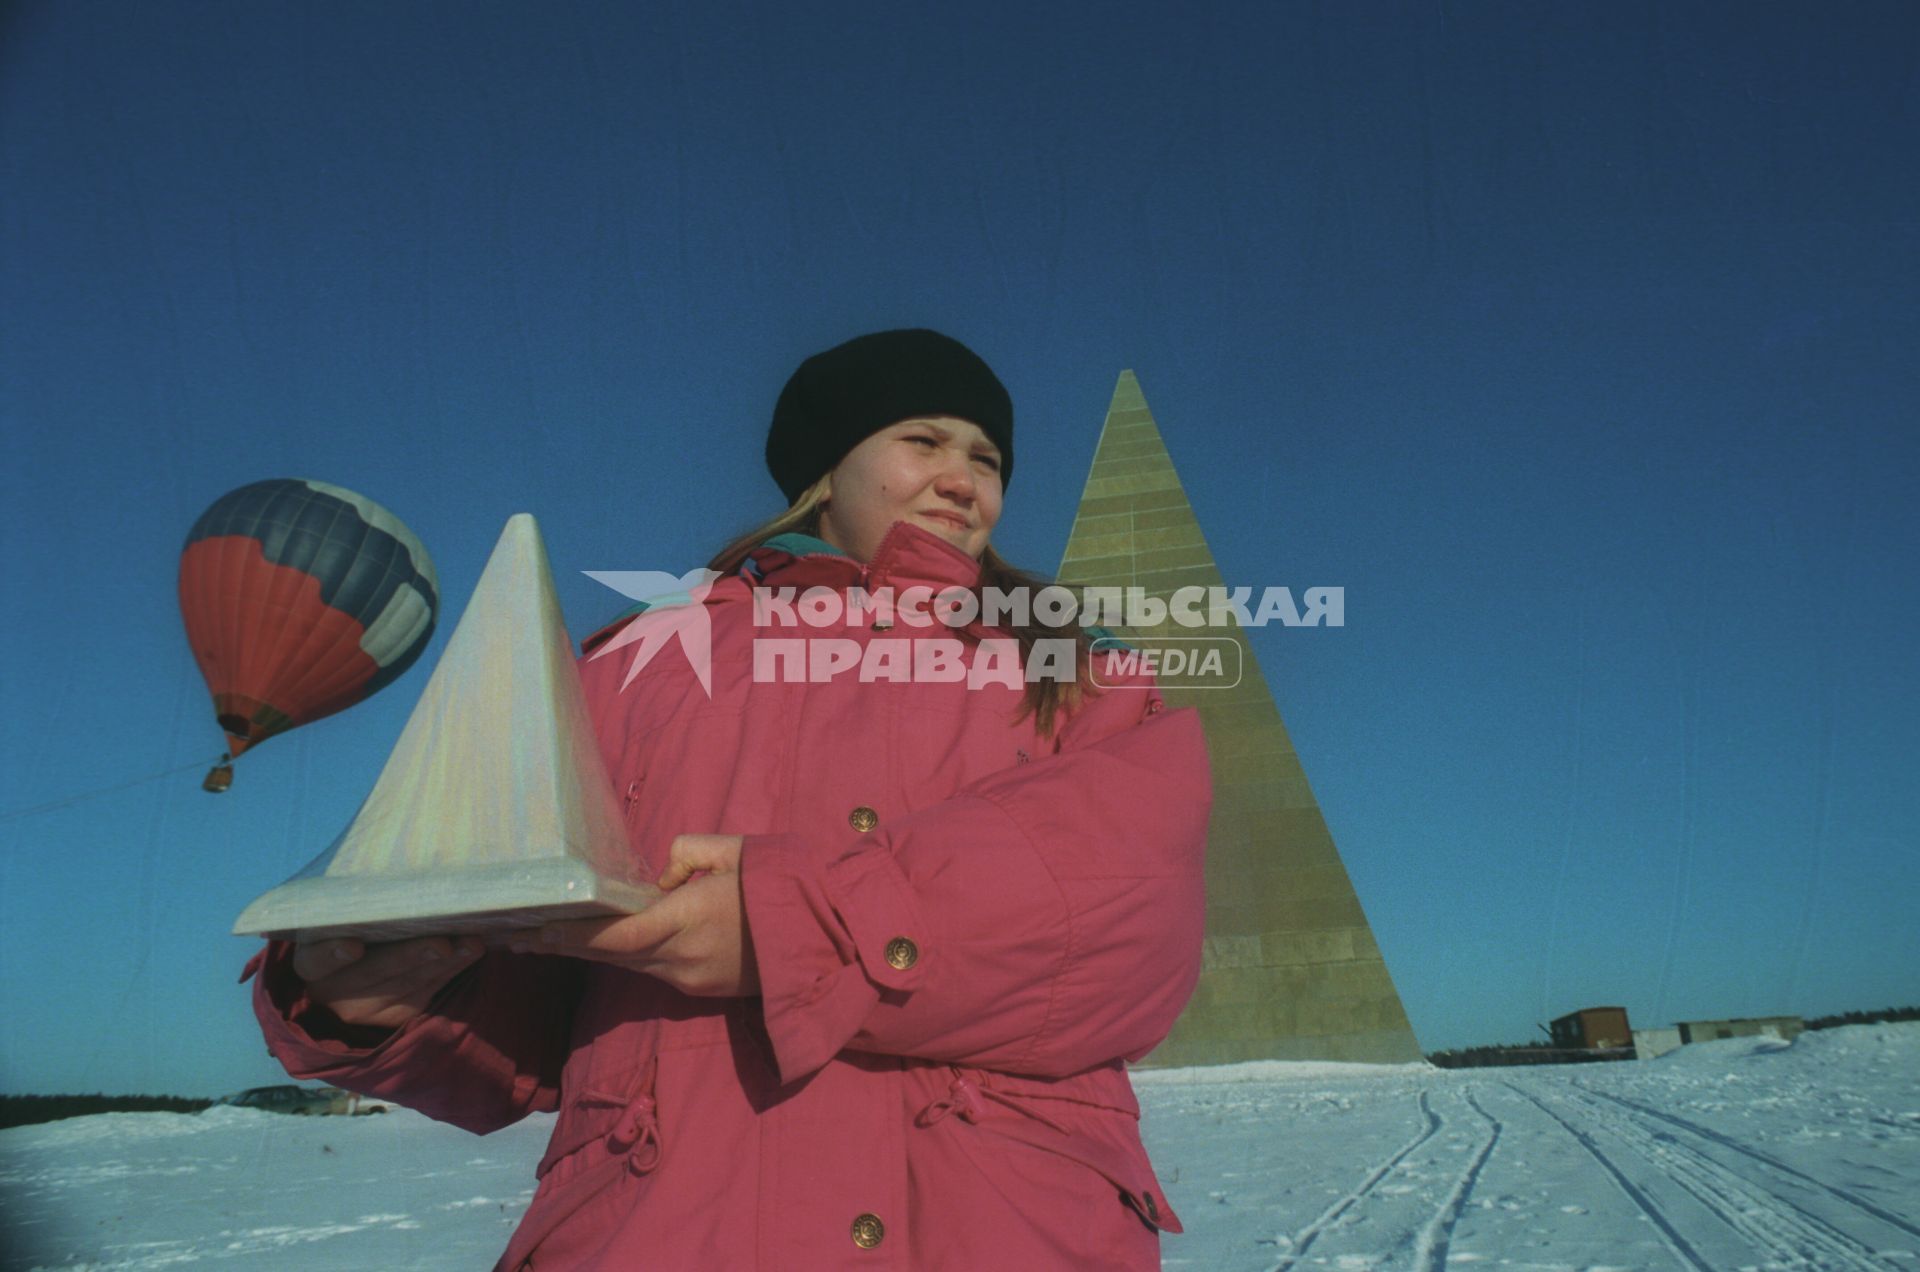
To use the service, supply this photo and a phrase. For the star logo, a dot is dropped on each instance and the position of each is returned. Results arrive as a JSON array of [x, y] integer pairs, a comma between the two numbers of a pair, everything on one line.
[[676, 610]]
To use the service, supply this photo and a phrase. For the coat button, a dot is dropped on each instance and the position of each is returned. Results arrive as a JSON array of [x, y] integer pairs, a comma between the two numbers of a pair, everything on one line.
[[863, 819], [1153, 1211], [902, 953], [868, 1231]]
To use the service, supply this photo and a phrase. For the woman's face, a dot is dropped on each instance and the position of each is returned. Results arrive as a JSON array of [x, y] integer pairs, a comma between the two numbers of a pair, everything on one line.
[[939, 472]]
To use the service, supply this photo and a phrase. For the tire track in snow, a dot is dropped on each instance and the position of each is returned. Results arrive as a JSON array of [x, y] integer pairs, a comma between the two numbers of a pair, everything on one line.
[[1772, 1223], [1682, 1249], [1431, 1248], [1305, 1238], [1725, 1141], [1429, 1242]]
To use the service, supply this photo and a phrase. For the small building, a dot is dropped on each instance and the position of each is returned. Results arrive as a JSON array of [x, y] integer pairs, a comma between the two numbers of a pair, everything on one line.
[[1649, 1044], [1785, 1028], [1592, 1029]]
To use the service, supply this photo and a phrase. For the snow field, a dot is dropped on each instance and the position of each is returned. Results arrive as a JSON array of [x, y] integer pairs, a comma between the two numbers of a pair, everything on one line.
[[242, 1188], [1746, 1154]]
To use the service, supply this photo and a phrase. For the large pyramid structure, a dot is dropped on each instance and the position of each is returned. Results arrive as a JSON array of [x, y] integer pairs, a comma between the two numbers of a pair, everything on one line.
[[1291, 969]]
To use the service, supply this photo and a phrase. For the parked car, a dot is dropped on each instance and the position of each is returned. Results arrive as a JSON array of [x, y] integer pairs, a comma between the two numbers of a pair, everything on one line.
[[303, 1101]]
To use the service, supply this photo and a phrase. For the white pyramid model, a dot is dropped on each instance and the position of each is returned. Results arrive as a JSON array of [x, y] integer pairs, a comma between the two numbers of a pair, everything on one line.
[[494, 811]]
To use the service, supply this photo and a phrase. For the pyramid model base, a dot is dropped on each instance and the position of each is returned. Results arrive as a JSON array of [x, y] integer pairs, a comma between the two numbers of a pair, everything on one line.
[[474, 900]]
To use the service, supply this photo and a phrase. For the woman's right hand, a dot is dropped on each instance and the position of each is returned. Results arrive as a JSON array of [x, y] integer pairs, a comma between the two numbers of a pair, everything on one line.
[[385, 984]]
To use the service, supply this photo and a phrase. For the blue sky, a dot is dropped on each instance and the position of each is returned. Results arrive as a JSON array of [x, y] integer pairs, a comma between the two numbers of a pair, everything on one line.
[[1574, 341]]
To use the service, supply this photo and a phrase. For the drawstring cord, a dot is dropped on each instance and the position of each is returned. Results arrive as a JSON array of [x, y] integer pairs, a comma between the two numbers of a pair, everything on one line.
[[637, 1133], [968, 1098]]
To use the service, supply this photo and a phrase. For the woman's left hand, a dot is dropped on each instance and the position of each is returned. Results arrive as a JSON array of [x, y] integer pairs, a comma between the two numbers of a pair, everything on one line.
[[694, 938]]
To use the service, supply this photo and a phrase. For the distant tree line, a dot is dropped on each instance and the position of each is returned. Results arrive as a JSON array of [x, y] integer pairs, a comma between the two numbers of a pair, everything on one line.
[[1521, 1053], [25, 1110], [1865, 1017], [1547, 1053]]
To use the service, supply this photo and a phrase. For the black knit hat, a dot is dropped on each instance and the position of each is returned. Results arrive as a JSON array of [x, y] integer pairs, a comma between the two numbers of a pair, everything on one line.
[[839, 398]]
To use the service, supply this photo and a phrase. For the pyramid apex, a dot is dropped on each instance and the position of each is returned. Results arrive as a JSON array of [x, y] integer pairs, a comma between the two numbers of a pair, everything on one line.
[[1126, 393]]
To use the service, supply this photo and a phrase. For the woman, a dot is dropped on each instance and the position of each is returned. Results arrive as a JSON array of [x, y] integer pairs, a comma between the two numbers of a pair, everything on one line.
[[914, 926]]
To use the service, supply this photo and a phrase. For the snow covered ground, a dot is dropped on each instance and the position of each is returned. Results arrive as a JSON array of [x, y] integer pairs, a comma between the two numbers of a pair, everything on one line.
[[1746, 1154]]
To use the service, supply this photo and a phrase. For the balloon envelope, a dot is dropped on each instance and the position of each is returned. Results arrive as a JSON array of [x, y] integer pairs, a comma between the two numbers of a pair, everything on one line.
[[300, 599]]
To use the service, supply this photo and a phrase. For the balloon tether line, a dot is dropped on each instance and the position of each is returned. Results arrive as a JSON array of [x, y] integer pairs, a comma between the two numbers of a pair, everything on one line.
[[104, 790]]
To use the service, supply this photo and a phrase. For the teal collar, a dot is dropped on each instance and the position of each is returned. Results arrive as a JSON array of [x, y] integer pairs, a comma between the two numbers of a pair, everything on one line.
[[797, 544]]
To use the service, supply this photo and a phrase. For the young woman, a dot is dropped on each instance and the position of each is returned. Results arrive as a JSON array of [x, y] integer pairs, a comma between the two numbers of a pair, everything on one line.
[[915, 924]]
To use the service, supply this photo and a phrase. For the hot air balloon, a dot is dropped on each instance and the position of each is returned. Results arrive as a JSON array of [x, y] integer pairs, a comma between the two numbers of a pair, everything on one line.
[[300, 599]]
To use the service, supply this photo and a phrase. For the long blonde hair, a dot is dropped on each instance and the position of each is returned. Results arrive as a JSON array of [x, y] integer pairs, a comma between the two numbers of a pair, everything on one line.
[[1046, 697]]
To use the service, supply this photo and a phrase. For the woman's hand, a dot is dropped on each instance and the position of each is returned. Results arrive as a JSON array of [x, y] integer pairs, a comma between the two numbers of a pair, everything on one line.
[[694, 938], [385, 984]]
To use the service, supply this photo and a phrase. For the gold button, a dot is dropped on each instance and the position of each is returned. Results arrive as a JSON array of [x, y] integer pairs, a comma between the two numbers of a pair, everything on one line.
[[868, 1231], [1153, 1211], [902, 953], [863, 819]]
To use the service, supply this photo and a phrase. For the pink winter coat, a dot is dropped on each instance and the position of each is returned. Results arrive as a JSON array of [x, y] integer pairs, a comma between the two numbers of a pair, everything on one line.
[[962, 931]]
